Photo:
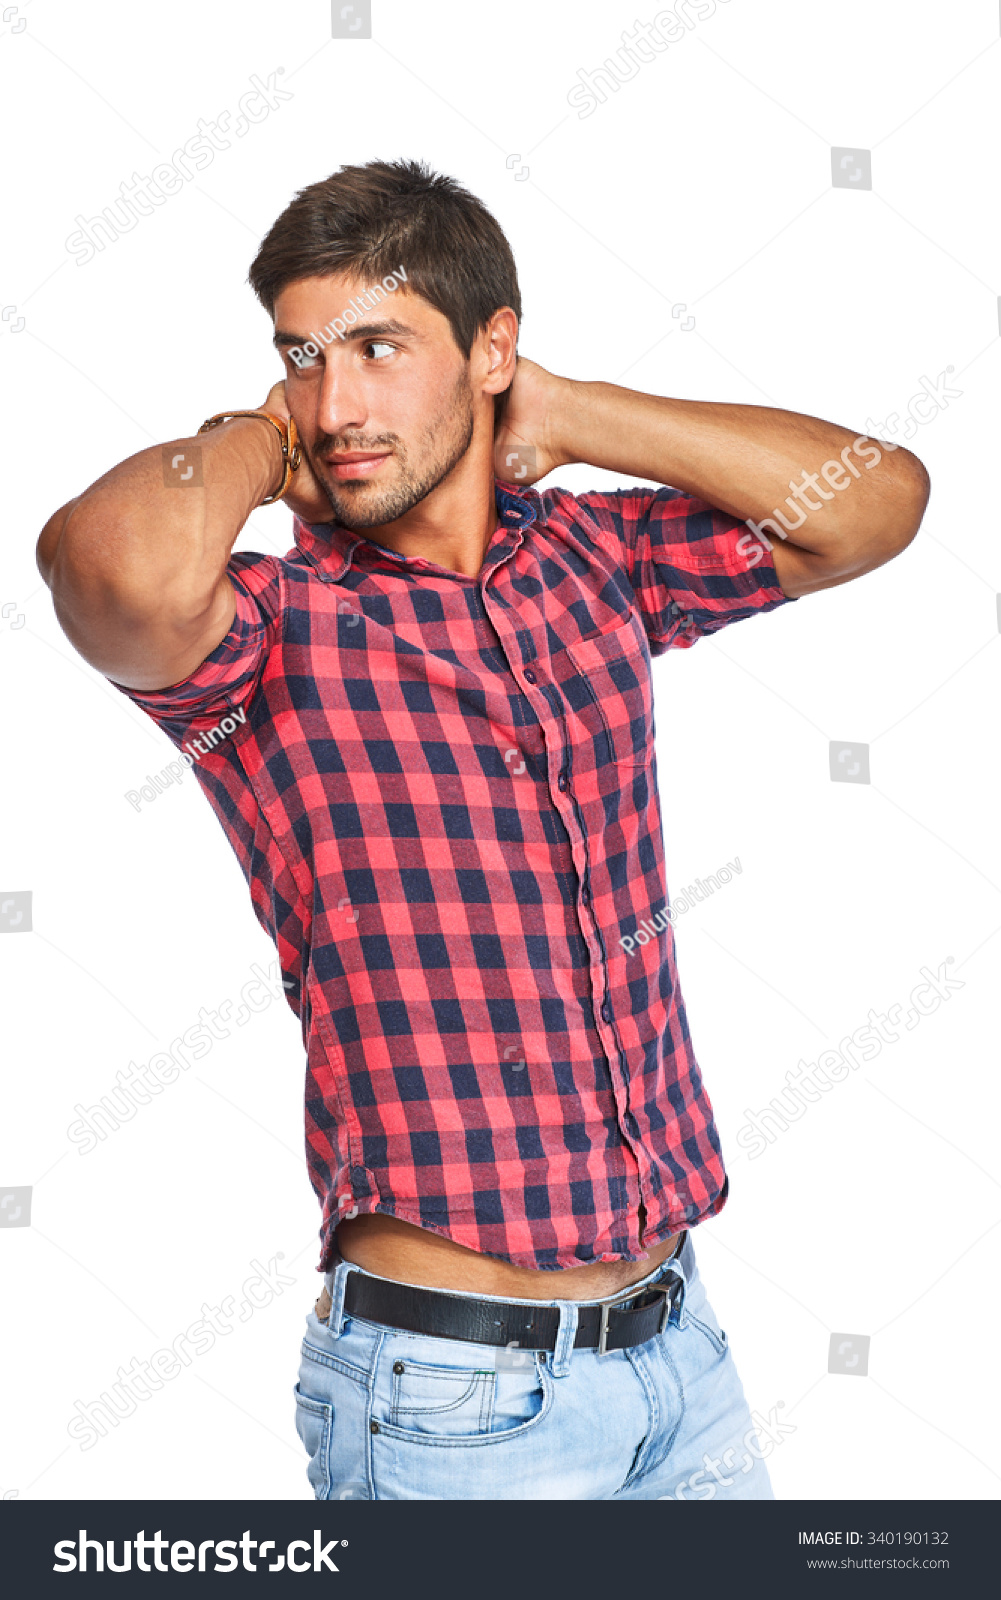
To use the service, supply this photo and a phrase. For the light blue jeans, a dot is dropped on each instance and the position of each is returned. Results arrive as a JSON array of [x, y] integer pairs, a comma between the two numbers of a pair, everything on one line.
[[389, 1415]]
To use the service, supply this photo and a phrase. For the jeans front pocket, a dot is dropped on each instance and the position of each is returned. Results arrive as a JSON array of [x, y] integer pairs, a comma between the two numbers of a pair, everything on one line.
[[427, 1398], [314, 1423], [452, 1401]]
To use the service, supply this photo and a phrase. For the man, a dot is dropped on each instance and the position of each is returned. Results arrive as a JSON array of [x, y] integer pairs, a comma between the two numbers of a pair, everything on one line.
[[428, 734]]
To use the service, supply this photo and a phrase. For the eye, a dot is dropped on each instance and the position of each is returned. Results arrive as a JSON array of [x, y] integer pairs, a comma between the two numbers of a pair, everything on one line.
[[380, 345]]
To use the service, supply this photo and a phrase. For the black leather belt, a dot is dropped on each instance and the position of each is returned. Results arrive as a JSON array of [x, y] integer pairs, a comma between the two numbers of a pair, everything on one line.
[[629, 1318]]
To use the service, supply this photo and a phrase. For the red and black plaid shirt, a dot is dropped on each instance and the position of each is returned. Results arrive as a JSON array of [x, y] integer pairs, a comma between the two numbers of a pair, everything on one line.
[[444, 798]]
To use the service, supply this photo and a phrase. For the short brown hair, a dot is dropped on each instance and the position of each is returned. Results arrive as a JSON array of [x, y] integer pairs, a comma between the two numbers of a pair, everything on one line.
[[370, 219]]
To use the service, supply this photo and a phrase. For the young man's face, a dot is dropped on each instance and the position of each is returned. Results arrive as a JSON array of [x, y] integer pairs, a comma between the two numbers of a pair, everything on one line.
[[384, 413]]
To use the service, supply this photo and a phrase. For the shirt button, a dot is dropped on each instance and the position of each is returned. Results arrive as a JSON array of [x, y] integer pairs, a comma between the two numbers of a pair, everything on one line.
[[562, 782], [606, 1012], [529, 675], [510, 513], [585, 895]]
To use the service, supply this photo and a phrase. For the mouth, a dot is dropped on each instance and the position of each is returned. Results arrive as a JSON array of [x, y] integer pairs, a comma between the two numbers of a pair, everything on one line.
[[355, 464]]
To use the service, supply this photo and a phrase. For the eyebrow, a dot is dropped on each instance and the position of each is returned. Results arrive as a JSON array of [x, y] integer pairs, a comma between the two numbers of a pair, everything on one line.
[[363, 330]]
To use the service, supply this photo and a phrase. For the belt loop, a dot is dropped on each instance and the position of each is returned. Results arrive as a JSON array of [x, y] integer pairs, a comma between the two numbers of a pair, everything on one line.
[[681, 1265], [560, 1365], [336, 1281]]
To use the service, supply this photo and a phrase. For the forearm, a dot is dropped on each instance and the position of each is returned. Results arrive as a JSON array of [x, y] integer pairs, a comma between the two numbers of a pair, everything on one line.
[[132, 533], [748, 461], [137, 568]]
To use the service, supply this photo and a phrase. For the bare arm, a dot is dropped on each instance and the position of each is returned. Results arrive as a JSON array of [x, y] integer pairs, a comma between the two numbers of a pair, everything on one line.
[[743, 459], [138, 570]]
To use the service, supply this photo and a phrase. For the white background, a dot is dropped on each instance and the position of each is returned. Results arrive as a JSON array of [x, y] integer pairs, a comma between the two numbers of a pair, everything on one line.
[[705, 180]]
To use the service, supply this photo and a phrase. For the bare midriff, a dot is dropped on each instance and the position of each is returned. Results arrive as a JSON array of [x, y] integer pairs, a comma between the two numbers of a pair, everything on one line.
[[394, 1249]]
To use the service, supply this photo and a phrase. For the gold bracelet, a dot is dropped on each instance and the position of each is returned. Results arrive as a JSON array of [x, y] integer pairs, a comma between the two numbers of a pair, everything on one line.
[[291, 449]]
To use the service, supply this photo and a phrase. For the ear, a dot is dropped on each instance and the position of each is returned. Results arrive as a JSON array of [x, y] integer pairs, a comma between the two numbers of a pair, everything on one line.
[[497, 348]]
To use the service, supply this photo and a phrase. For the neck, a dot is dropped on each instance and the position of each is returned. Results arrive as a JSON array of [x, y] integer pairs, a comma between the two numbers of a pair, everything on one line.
[[453, 525]]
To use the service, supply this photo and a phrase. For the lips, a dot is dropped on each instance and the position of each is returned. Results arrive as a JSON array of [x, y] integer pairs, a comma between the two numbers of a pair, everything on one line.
[[356, 463]]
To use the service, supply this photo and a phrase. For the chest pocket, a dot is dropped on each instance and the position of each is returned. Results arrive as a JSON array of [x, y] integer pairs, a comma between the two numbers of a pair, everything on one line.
[[615, 666]]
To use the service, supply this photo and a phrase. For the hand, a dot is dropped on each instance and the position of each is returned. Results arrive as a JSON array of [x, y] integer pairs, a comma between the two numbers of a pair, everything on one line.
[[532, 416], [305, 497]]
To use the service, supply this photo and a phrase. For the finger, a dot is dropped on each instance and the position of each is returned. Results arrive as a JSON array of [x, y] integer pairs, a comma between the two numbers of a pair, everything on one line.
[[276, 400]]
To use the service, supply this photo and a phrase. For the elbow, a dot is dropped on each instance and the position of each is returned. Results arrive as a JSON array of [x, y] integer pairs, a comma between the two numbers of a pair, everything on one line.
[[48, 540], [896, 514], [862, 540], [911, 494], [48, 543]]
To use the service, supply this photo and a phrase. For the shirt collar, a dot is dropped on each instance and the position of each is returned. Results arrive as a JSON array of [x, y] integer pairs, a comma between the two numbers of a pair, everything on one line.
[[332, 549]]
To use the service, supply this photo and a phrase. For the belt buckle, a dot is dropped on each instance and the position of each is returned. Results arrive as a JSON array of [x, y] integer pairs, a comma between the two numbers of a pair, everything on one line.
[[603, 1326], [666, 1289]]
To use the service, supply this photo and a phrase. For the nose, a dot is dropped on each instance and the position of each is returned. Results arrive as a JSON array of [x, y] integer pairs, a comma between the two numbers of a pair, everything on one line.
[[343, 405]]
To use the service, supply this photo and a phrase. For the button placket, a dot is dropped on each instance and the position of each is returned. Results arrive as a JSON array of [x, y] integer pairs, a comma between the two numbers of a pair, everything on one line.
[[499, 610], [550, 721]]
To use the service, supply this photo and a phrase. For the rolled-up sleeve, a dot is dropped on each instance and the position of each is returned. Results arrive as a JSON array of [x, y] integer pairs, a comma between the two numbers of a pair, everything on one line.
[[692, 567], [229, 676]]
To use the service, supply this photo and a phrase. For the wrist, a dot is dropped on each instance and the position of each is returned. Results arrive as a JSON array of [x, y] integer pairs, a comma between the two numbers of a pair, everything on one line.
[[568, 421], [602, 424], [261, 451]]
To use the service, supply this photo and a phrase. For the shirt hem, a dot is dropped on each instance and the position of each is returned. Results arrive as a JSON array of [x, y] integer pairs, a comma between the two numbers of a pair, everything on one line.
[[564, 1262]]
